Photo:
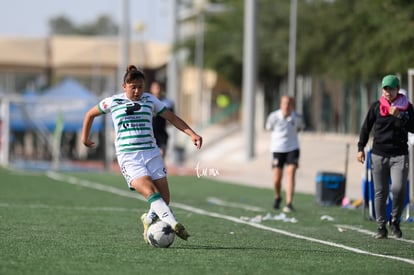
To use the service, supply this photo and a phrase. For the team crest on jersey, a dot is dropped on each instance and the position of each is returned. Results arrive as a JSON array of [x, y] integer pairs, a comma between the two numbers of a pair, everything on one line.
[[132, 107]]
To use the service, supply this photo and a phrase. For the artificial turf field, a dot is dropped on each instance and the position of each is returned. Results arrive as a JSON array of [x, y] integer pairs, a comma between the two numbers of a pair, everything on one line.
[[88, 223]]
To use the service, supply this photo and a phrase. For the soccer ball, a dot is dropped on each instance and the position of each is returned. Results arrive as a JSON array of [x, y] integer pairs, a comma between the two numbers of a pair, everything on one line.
[[160, 234]]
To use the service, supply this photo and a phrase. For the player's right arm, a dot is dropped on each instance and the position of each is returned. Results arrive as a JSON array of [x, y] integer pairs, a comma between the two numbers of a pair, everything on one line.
[[87, 124], [366, 130]]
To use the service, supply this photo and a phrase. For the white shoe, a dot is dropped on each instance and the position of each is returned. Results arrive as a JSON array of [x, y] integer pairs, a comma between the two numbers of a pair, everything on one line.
[[288, 208]]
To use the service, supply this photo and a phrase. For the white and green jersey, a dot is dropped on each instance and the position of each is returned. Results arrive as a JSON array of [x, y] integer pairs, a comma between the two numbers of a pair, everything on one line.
[[133, 129]]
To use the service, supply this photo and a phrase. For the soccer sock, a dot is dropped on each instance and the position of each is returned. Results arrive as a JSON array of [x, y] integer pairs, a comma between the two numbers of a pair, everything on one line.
[[161, 209]]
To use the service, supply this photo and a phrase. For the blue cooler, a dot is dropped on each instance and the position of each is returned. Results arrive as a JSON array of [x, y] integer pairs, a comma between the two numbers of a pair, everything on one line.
[[330, 188]]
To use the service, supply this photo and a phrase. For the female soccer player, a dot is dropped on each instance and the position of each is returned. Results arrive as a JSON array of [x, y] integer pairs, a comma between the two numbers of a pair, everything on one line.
[[138, 156]]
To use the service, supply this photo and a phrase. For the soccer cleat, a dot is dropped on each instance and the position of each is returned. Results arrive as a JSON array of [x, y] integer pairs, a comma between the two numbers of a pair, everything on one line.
[[276, 204], [180, 231], [382, 233], [395, 229], [146, 226], [288, 208]]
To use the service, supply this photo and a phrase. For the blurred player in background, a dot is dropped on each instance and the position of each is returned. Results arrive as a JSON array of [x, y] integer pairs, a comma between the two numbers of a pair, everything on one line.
[[285, 124], [159, 124]]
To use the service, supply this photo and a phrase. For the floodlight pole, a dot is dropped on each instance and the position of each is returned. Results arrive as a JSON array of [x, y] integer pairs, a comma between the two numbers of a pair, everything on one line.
[[172, 73], [292, 48], [199, 63], [124, 39], [4, 131], [249, 76], [172, 66]]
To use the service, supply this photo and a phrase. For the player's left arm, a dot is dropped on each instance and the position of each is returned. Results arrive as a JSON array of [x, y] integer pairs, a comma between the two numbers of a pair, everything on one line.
[[183, 126]]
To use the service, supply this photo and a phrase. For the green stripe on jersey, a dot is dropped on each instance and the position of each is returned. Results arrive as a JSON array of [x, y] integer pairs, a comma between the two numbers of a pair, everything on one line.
[[135, 148]]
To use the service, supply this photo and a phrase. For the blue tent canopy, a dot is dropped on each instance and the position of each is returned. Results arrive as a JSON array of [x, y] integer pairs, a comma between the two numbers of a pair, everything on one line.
[[68, 89], [20, 113], [68, 100]]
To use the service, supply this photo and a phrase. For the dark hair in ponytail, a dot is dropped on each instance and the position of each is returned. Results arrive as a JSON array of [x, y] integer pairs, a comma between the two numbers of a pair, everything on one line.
[[132, 73]]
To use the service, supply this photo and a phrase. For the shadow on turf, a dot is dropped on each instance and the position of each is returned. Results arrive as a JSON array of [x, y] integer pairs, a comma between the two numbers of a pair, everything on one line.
[[214, 247]]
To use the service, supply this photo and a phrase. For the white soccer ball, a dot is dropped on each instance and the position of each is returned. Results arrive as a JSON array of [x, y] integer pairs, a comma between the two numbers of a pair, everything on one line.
[[160, 234]]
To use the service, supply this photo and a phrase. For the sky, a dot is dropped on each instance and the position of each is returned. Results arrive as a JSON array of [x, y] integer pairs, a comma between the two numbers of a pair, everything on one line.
[[29, 18]]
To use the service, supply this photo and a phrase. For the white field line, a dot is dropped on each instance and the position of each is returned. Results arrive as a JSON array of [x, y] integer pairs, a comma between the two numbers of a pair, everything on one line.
[[221, 202], [367, 232], [59, 207], [98, 186]]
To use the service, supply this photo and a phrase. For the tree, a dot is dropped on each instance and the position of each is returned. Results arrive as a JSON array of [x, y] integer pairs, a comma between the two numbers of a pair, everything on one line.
[[356, 40], [103, 25], [223, 48], [351, 40], [61, 25]]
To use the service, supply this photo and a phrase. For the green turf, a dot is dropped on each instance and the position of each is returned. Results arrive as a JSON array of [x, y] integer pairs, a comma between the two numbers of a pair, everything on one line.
[[53, 227]]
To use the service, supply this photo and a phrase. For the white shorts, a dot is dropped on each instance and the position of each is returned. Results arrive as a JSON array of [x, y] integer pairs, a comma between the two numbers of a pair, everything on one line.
[[143, 163]]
